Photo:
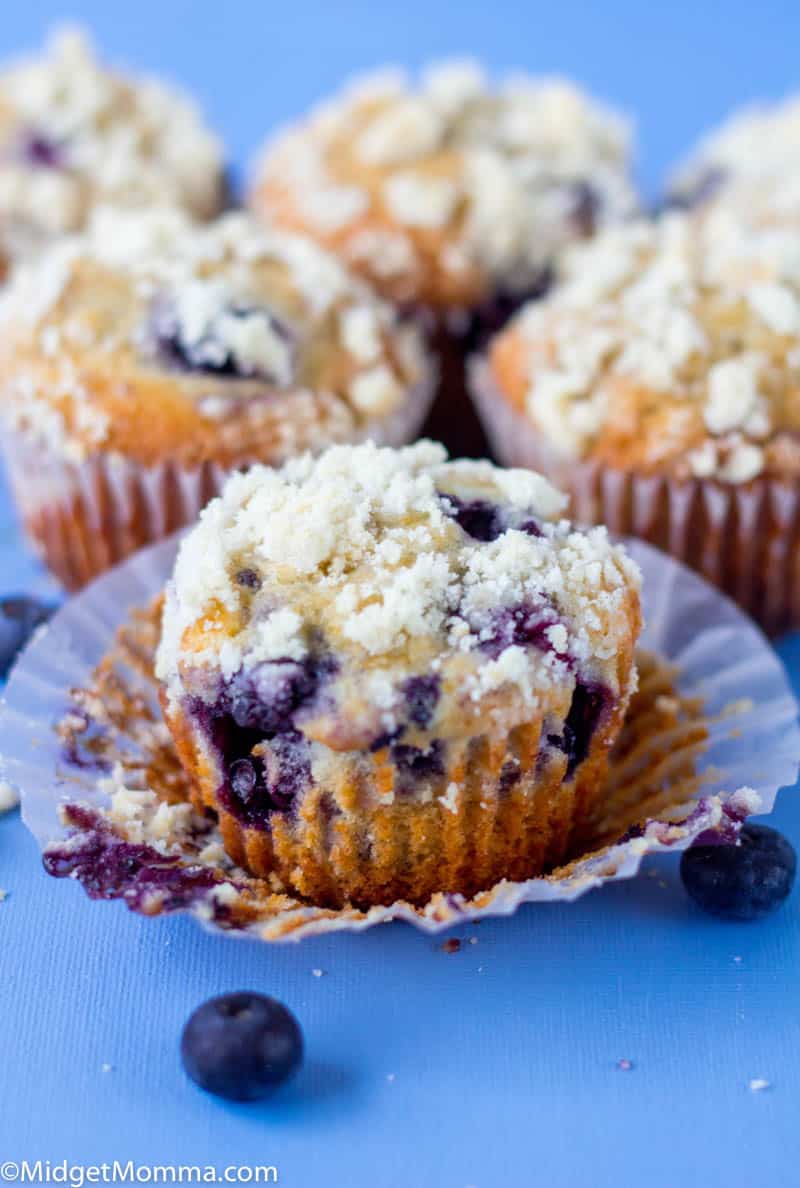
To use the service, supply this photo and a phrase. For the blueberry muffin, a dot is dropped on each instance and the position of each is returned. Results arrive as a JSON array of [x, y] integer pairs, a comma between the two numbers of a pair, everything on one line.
[[145, 358], [452, 195], [74, 133], [755, 153], [660, 383], [391, 675]]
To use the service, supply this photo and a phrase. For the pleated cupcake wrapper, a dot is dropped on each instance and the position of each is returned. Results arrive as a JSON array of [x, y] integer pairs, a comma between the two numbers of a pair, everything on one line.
[[467, 831], [83, 517], [745, 538], [662, 792]]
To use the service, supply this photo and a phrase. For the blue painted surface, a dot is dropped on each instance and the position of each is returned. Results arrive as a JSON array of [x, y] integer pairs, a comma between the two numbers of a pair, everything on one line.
[[503, 1056]]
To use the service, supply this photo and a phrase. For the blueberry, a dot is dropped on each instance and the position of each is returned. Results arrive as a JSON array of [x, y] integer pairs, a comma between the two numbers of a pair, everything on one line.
[[421, 695], [586, 204], [248, 578], [241, 1046], [288, 770], [19, 618], [267, 697], [480, 519], [510, 774], [210, 355], [40, 151], [741, 882], [588, 704], [523, 625], [414, 764]]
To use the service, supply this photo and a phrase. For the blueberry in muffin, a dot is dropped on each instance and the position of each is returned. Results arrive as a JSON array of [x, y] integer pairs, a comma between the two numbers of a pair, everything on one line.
[[659, 383], [453, 195], [75, 133], [391, 675], [145, 358]]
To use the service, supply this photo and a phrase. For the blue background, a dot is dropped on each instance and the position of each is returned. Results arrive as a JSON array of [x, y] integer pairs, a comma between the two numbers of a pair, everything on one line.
[[504, 1055]]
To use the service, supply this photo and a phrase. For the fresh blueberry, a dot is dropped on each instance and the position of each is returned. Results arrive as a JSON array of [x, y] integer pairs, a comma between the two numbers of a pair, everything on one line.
[[744, 881], [19, 618], [241, 1046], [421, 694]]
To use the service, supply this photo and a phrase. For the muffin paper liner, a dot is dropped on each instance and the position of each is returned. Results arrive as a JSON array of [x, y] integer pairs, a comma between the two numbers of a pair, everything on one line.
[[82, 518], [710, 738], [744, 538]]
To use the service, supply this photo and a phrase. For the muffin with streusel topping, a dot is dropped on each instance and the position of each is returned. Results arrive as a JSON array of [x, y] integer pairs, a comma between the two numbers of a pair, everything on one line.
[[751, 160], [660, 382], [392, 675], [74, 134], [452, 195], [143, 360]]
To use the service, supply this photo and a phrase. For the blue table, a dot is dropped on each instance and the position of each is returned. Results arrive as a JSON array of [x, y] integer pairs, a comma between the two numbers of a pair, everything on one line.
[[497, 1066]]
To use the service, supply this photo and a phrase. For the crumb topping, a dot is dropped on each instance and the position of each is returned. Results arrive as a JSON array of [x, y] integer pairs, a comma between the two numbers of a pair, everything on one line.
[[74, 133], [668, 344], [451, 184], [396, 564], [212, 319], [757, 146]]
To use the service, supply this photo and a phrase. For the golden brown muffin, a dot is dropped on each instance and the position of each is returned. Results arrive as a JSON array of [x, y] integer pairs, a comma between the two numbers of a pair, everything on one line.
[[451, 195], [751, 160], [75, 134], [144, 359], [661, 383], [391, 675]]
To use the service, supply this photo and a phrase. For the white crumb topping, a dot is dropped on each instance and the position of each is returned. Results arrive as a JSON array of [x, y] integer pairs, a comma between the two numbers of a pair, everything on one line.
[[360, 331], [512, 163], [361, 548], [374, 391], [759, 143], [699, 318], [77, 133], [420, 201], [450, 798], [240, 301]]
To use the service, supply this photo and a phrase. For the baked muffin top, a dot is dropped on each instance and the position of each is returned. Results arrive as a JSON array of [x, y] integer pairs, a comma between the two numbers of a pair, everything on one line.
[[445, 190], [159, 338], [668, 346], [380, 591], [74, 133], [743, 159]]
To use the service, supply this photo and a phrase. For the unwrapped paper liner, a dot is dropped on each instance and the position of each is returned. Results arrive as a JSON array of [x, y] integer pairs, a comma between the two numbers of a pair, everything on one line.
[[746, 738]]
